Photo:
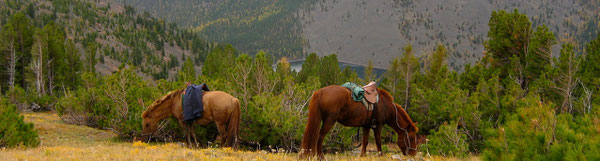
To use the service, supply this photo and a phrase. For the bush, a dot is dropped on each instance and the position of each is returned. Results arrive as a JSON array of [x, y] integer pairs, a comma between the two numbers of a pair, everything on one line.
[[447, 141], [534, 132], [13, 130], [114, 102], [18, 97], [71, 109]]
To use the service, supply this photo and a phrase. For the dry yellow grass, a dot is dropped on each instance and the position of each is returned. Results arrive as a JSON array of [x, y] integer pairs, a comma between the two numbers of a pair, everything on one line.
[[60, 141]]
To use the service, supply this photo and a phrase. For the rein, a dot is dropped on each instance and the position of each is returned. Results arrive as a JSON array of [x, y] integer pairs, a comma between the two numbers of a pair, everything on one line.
[[407, 139]]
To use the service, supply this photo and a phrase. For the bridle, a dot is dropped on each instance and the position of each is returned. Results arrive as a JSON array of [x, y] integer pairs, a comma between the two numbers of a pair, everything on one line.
[[407, 139]]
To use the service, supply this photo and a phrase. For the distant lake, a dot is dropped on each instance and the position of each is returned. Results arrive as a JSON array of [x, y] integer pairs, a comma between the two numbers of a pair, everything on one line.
[[359, 69]]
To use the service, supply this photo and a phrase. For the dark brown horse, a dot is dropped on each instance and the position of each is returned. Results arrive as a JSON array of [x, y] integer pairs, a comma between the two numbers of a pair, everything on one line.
[[332, 104], [219, 107]]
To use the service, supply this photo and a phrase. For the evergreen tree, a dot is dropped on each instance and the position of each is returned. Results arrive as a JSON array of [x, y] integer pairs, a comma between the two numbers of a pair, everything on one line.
[[590, 75], [187, 73], [90, 57], [391, 79], [13, 130], [24, 32], [329, 70], [309, 68], [508, 37], [369, 75], [57, 61], [264, 77], [8, 44], [218, 61], [73, 65], [409, 67], [566, 79], [39, 54], [540, 52]]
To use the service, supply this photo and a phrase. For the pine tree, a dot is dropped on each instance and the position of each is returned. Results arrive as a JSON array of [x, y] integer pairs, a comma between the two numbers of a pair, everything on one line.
[[90, 57], [329, 70], [57, 63], [309, 68], [409, 66], [8, 42], [508, 37], [566, 79], [39, 54], [540, 52], [264, 77], [24, 32], [187, 73], [73, 63], [369, 76], [590, 75], [392, 78], [13, 130], [438, 68]]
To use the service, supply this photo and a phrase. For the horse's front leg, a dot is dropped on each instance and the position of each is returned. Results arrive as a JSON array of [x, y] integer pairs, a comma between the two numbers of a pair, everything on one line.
[[377, 132], [193, 135], [188, 136], [365, 141]]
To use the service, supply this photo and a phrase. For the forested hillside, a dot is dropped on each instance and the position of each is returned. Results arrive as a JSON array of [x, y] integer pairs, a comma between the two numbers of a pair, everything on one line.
[[103, 35], [360, 30], [250, 25]]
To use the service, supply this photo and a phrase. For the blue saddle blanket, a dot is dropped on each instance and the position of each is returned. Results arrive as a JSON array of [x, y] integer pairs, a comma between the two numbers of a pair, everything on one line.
[[192, 102], [358, 93]]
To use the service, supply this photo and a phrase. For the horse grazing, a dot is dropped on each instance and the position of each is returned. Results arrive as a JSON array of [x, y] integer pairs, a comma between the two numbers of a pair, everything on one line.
[[332, 104], [219, 107]]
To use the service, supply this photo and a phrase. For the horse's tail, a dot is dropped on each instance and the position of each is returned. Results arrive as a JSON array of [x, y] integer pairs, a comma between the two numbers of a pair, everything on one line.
[[233, 126], [311, 133]]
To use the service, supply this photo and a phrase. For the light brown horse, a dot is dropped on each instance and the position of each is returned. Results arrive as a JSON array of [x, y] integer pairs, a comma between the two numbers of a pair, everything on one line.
[[219, 107], [332, 104]]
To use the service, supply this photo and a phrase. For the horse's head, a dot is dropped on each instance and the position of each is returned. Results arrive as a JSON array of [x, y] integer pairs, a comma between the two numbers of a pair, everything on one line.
[[408, 141], [149, 125], [157, 111]]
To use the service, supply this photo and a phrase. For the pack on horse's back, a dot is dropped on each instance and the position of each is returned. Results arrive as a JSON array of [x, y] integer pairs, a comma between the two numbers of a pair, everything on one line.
[[192, 102]]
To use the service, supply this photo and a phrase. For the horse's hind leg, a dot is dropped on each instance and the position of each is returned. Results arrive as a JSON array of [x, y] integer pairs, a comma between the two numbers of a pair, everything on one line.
[[365, 141], [222, 128], [327, 125]]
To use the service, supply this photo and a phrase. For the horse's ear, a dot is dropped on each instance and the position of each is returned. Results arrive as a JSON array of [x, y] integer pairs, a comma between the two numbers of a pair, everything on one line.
[[145, 114]]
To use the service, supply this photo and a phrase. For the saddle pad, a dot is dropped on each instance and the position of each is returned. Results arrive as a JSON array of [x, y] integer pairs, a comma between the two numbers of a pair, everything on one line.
[[192, 102]]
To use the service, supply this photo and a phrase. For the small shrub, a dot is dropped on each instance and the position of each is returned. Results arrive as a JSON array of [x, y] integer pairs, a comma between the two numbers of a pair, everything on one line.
[[447, 141], [18, 97], [13, 130], [71, 110]]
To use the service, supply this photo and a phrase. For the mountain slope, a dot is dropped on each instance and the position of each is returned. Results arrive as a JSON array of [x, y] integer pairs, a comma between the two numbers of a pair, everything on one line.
[[249, 25], [360, 30], [117, 34]]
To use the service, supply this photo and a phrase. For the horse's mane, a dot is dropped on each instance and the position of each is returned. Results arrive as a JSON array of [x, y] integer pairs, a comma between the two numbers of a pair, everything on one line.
[[387, 96], [405, 115], [160, 101]]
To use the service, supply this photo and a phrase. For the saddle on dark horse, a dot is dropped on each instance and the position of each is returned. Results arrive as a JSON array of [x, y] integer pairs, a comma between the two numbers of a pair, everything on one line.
[[366, 94], [192, 102]]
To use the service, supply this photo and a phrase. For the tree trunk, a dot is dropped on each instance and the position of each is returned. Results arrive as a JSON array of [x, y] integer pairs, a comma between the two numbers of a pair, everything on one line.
[[12, 64]]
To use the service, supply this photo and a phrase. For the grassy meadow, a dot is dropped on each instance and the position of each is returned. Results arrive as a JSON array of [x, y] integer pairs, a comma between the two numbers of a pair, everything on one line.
[[60, 141]]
